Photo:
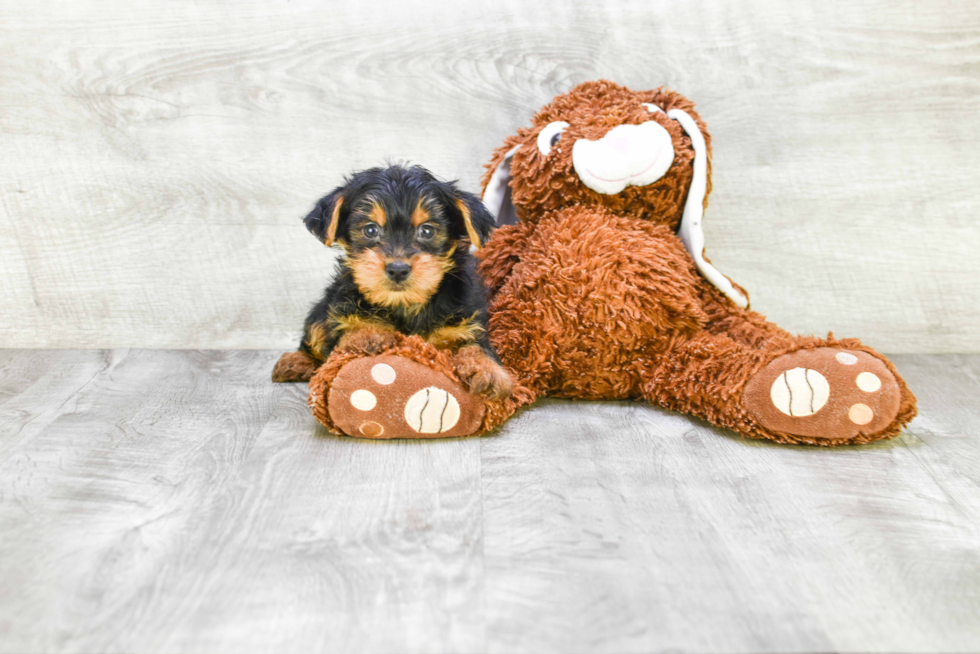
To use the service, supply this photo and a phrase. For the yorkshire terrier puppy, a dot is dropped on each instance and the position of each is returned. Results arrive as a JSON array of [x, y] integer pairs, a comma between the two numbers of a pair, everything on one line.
[[408, 269]]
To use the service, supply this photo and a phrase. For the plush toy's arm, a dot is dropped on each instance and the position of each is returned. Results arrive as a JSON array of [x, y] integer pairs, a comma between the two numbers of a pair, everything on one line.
[[499, 256]]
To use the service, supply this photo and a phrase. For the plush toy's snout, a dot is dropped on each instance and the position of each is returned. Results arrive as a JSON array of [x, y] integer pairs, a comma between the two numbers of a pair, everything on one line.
[[628, 155]]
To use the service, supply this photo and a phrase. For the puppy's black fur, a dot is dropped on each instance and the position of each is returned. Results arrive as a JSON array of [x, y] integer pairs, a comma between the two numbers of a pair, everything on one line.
[[390, 221]]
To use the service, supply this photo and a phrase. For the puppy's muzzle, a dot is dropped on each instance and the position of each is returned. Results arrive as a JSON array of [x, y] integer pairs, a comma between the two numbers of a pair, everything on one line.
[[398, 271]]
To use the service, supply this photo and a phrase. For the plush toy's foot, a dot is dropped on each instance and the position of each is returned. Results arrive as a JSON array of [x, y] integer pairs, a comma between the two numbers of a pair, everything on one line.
[[825, 393], [294, 367], [390, 396]]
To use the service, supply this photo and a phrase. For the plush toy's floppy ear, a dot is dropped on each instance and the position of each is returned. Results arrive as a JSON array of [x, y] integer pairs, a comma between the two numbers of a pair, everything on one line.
[[324, 221], [497, 193], [477, 221], [691, 231]]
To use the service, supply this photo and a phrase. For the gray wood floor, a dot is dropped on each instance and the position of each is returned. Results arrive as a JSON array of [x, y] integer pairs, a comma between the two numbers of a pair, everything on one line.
[[178, 501]]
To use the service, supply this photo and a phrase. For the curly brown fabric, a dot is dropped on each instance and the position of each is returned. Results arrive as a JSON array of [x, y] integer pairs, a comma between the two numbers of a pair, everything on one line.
[[595, 297]]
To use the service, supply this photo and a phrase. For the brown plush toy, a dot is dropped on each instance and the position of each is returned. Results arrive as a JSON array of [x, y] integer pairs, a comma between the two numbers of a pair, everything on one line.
[[600, 290]]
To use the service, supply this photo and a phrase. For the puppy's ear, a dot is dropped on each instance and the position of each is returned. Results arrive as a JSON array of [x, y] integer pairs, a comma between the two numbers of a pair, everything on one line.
[[477, 221], [324, 221]]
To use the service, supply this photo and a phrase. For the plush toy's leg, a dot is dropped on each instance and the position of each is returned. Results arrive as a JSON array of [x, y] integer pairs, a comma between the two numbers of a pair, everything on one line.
[[410, 390], [294, 367], [784, 388]]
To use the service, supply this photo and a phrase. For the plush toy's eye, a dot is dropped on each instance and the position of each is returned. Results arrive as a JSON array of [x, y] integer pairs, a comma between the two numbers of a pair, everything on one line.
[[371, 230], [550, 135], [426, 232]]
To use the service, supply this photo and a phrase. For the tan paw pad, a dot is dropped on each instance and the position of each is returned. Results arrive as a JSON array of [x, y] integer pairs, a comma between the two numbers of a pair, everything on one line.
[[824, 393], [868, 382], [383, 373], [860, 414], [800, 392], [393, 397], [363, 400], [432, 411], [372, 429]]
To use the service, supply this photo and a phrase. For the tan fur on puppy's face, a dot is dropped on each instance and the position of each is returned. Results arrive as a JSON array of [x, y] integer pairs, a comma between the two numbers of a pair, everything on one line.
[[368, 268], [377, 214]]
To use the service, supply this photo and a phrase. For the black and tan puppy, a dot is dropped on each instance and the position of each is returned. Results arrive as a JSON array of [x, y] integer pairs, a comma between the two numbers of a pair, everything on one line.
[[408, 269]]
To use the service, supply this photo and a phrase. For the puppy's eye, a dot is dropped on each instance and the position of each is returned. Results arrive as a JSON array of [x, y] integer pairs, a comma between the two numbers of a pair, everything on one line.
[[426, 232], [550, 135], [371, 230]]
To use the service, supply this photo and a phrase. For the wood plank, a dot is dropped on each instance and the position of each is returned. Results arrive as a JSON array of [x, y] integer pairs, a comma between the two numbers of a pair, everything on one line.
[[641, 530], [157, 159], [179, 501], [186, 489], [37, 387]]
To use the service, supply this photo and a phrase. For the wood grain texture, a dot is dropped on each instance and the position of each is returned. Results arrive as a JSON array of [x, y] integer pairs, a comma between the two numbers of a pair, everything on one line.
[[157, 501], [157, 157]]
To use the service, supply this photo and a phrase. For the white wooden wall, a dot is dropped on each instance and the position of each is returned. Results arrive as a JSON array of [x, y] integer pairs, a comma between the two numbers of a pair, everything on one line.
[[155, 157]]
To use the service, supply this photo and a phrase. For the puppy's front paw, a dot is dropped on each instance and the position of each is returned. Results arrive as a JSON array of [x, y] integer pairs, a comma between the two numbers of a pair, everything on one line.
[[294, 367], [482, 375], [367, 341]]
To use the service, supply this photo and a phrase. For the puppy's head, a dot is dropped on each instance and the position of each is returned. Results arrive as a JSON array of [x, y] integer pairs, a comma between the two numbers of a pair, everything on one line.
[[401, 229]]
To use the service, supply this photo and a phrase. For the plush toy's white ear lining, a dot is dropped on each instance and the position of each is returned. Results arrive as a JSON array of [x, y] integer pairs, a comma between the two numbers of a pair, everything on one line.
[[691, 232], [497, 195]]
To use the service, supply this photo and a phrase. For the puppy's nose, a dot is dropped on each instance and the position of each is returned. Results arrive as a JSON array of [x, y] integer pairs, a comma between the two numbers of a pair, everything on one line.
[[397, 271]]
